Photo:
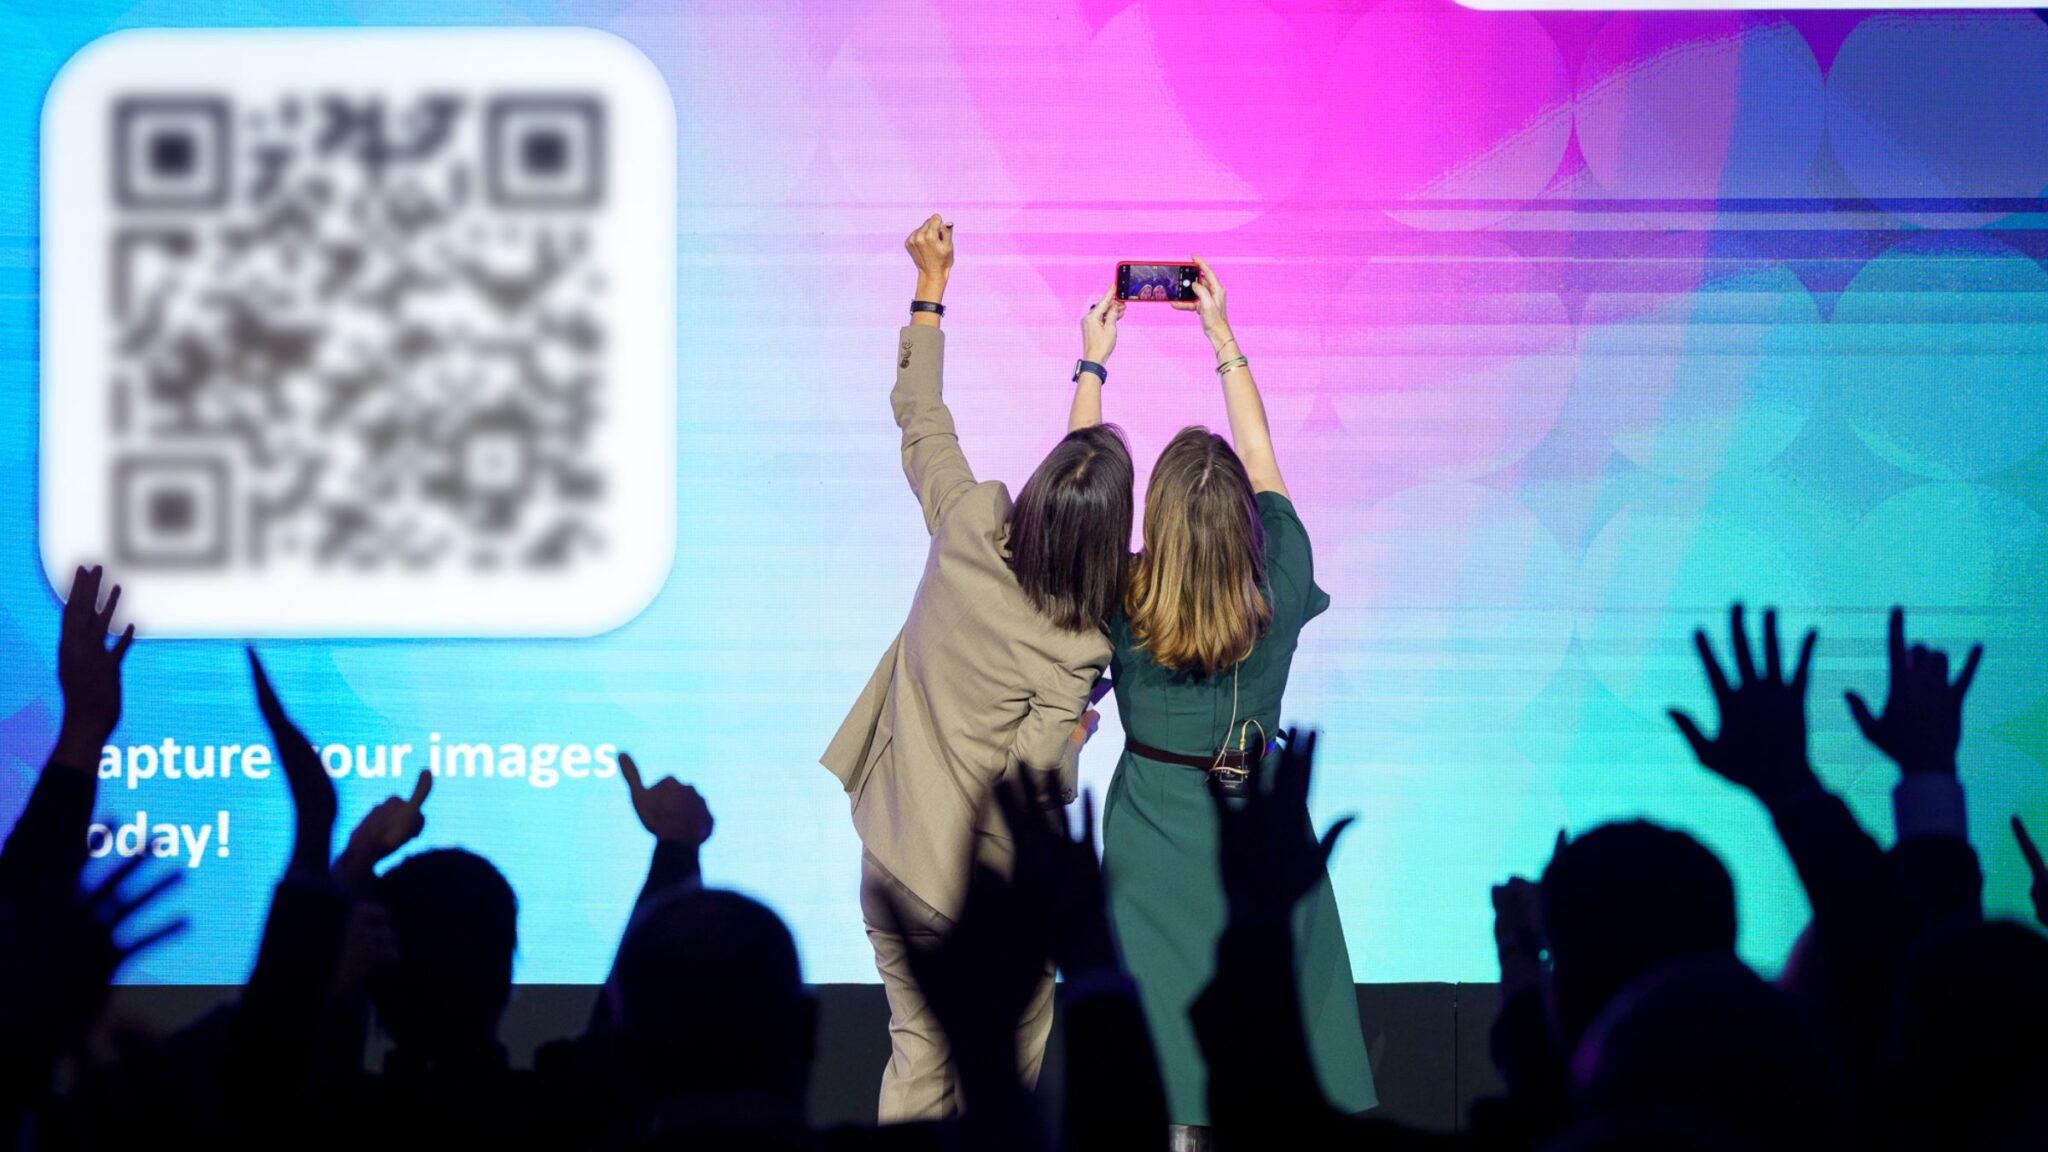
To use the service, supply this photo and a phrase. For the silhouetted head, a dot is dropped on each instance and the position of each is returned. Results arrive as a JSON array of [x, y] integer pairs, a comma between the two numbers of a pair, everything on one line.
[[1070, 529], [1703, 1045], [1968, 1046], [1196, 597], [457, 925], [1621, 899], [711, 999]]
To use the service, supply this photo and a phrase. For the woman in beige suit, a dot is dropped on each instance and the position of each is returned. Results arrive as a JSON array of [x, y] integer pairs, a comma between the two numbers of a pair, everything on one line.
[[990, 674]]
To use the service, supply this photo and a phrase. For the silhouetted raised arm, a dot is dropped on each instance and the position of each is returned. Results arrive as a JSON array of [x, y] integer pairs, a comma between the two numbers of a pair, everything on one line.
[[383, 830], [1920, 730], [1521, 1042], [2036, 867], [680, 822], [1115, 1100], [313, 804], [1859, 917], [58, 955], [1261, 1079], [46, 850], [979, 980], [282, 1042]]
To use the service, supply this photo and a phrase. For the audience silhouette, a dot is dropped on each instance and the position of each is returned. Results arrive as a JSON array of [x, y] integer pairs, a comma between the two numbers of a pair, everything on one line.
[[1904, 1019]]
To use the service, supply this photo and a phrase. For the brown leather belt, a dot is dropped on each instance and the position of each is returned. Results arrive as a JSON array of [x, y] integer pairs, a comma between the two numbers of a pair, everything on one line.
[[1234, 758]]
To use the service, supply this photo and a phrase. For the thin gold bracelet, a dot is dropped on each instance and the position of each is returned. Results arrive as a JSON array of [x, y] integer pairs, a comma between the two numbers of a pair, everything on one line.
[[1225, 367]]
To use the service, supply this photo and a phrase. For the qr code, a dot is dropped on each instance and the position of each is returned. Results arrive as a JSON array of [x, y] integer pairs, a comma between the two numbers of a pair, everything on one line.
[[361, 332]]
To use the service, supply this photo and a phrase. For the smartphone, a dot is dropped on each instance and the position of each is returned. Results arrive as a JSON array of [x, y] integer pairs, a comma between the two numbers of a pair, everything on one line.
[[1156, 281], [1102, 688]]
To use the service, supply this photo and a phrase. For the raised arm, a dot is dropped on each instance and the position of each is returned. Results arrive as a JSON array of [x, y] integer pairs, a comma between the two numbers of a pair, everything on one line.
[[391, 825], [1920, 728], [932, 461], [283, 1049], [1098, 340], [1248, 431], [1861, 920], [1248, 1019], [681, 822], [46, 850], [1114, 1099]]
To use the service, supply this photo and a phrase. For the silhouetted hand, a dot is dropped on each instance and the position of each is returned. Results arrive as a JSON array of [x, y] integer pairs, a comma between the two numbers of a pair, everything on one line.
[[59, 956], [1268, 852], [979, 980], [671, 809], [1923, 712], [986, 971], [391, 825], [1518, 934], [1761, 746], [313, 802], [103, 911], [88, 671], [1058, 877], [2036, 867]]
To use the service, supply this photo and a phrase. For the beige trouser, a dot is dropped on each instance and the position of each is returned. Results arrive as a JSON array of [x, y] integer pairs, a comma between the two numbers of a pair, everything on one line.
[[919, 1084]]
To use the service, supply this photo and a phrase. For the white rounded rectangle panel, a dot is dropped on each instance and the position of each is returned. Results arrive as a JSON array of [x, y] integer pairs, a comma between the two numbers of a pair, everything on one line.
[[361, 332]]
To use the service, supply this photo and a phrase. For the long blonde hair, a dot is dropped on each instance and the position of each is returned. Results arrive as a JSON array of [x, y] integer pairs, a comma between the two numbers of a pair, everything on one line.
[[1196, 596]]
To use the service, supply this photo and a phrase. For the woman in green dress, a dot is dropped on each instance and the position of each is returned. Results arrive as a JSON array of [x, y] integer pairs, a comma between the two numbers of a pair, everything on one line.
[[1211, 614]]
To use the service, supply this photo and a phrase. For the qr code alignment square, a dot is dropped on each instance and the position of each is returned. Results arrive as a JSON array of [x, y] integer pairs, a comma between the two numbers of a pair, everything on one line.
[[368, 330]]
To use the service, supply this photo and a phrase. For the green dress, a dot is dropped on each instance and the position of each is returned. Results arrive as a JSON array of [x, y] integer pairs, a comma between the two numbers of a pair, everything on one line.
[[1159, 842]]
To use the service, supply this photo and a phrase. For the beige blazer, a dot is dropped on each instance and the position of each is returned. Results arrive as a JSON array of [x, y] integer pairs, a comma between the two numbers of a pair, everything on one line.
[[977, 684]]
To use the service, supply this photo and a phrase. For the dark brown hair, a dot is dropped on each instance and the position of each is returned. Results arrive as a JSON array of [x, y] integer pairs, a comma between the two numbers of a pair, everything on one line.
[[1197, 598], [1070, 531]]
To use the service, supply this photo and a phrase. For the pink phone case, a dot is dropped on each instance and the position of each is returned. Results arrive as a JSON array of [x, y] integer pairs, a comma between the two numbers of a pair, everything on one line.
[[1122, 279]]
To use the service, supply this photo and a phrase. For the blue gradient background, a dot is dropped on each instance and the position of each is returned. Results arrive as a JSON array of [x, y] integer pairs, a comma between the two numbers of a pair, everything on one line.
[[1573, 329]]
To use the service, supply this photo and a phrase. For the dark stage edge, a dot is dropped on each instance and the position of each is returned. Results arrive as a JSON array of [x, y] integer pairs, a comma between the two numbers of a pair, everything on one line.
[[1427, 1041]]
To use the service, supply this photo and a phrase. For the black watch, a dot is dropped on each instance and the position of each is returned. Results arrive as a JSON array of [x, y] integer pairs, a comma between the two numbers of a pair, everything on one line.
[[917, 306], [1081, 366]]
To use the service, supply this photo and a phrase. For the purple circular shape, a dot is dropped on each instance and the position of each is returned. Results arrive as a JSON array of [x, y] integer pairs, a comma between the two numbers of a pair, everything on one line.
[[1947, 104], [1447, 367], [1232, 71], [1713, 105], [1470, 109]]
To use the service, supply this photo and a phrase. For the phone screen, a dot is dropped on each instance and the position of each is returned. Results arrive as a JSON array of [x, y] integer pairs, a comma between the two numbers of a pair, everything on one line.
[[1156, 281]]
